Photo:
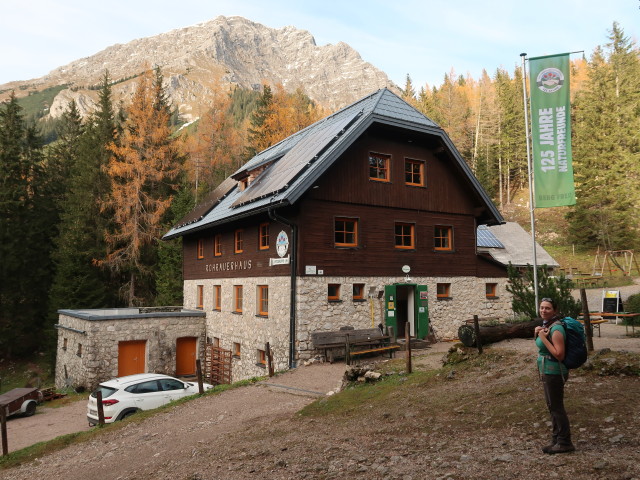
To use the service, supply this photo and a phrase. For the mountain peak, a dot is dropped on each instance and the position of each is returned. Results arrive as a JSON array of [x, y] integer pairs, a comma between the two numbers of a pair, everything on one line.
[[231, 50]]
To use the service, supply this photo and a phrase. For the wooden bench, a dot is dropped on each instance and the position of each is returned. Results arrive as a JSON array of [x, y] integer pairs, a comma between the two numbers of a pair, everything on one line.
[[347, 343], [389, 348]]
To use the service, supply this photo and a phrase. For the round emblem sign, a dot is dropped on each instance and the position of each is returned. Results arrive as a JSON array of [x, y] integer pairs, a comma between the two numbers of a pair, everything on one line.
[[282, 244], [550, 80]]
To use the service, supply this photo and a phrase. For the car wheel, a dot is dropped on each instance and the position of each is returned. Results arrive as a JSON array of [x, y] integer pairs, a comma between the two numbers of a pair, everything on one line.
[[127, 414], [30, 410]]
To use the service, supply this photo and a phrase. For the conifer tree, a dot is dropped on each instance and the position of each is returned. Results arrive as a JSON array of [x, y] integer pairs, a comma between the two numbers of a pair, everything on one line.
[[79, 281], [409, 93], [606, 149], [143, 169], [27, 217], [258, 132], [169, 283]]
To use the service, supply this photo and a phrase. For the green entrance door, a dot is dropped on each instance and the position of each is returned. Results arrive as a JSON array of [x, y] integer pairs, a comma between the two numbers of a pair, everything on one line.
[[407, 303]]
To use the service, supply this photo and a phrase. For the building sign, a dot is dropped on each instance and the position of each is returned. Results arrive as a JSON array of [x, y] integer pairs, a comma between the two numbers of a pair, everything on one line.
[[282, 244], [228, 266], [310, 269], [278, 261]]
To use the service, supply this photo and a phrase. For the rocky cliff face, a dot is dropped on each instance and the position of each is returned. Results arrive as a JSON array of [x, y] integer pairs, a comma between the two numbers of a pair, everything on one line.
[[231, 50]]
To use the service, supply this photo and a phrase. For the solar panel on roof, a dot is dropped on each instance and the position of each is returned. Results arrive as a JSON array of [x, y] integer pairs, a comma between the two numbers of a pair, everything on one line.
[[285, 170], [486, 238], [208, 203]]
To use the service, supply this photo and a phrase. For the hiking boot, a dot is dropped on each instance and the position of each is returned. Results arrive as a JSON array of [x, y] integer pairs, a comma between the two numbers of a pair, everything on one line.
[[557, 448], [547, 448]]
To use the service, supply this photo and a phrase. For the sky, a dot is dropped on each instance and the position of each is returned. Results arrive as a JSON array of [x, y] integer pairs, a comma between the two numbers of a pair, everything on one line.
[[424, 39]]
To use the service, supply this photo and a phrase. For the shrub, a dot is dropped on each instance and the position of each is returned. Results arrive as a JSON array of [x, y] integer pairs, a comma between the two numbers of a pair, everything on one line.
[[520, 285], [633, 303]]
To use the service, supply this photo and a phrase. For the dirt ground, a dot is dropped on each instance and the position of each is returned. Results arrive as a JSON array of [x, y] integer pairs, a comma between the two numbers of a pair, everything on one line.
[[255, 432]]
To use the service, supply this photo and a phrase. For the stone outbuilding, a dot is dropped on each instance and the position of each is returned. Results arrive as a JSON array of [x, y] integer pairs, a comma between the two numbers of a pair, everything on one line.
[[96, 345]]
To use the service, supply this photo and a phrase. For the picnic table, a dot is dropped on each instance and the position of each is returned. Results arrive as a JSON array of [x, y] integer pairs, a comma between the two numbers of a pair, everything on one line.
[[605, 316]]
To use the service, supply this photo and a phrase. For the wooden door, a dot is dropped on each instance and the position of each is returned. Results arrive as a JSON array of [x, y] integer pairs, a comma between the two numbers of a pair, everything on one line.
[[186, 348], [131, 357]]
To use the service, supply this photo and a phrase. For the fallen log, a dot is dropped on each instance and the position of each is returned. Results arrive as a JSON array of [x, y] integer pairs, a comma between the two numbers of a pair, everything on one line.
[[497, 333]]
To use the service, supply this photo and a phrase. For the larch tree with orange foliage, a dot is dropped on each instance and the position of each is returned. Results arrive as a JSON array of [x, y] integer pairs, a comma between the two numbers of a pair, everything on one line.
[[280, 115], [216, 149], [144, 169]]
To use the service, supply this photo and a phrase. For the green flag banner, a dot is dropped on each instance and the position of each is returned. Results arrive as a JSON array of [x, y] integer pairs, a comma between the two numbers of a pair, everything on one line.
[[551, 131]]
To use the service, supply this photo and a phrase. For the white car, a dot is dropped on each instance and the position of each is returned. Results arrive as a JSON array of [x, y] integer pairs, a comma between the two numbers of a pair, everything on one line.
[[125, 396]]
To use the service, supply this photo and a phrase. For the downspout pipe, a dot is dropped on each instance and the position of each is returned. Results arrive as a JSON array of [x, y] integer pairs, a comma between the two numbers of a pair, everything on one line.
[[292, 301]]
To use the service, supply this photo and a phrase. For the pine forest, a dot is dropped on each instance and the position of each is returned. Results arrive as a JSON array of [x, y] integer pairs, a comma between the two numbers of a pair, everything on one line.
[[84, 205]]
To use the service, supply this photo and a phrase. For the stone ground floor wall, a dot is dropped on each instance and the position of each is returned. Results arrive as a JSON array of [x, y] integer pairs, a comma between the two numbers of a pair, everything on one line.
[[88, 340], [247, 330], [315, 312], [467, 298]]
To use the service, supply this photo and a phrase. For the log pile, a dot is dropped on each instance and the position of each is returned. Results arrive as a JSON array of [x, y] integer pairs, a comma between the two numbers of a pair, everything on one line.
[[496, 333]]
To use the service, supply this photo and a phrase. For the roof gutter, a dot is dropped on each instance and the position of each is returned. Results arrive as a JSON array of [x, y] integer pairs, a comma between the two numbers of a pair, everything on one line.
[[292, 300]]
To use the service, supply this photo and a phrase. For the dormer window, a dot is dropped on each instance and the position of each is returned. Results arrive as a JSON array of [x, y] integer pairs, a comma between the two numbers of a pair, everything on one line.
[[243, 184]]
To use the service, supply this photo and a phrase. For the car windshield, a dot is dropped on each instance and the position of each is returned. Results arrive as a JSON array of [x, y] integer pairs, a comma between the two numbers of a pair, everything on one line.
[[106, 391]]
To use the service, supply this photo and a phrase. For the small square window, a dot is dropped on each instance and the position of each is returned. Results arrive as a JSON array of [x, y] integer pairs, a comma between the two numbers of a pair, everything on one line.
[[379, 167], [217, 297], [264, 236], [200, 248], [239, 241], [333, 292], [414, 172], [215, 342], [236, 349], [358, 291], [491, 290], [443, 290], [404, 235], [64, 344], [346, 232], [79, 351], [443, 238], [200, 299], [217, 245], [262, 357]]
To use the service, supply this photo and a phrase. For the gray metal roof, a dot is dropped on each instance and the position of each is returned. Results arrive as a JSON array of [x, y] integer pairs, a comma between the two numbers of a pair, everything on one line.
[[516, 247], [293, 165]]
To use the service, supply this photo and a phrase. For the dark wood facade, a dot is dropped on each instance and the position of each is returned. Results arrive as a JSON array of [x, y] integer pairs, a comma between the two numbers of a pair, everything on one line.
[[346, 190]]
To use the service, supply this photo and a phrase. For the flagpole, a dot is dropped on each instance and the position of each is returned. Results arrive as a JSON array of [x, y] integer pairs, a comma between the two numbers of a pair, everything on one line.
[[531, 182]]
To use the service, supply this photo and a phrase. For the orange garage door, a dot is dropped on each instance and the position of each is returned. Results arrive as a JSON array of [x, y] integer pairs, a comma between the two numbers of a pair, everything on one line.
[[186, 355], [131, 357]]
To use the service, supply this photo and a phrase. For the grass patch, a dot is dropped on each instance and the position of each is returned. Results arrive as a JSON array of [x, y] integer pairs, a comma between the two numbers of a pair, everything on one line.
[[36, 372]]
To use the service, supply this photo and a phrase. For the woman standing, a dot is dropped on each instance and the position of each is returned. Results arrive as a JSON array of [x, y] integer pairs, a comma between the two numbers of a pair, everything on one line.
[[550, 340]]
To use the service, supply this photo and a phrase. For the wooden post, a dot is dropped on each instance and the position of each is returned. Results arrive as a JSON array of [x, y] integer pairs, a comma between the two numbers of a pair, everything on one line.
[[100, 408], [199, 374], [3, 427], [407, 337], [347, 351], [587, 320], [267, 351], [476, 326]]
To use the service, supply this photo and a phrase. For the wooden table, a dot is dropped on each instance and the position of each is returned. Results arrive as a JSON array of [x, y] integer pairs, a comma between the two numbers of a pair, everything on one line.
[[630, 316]]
